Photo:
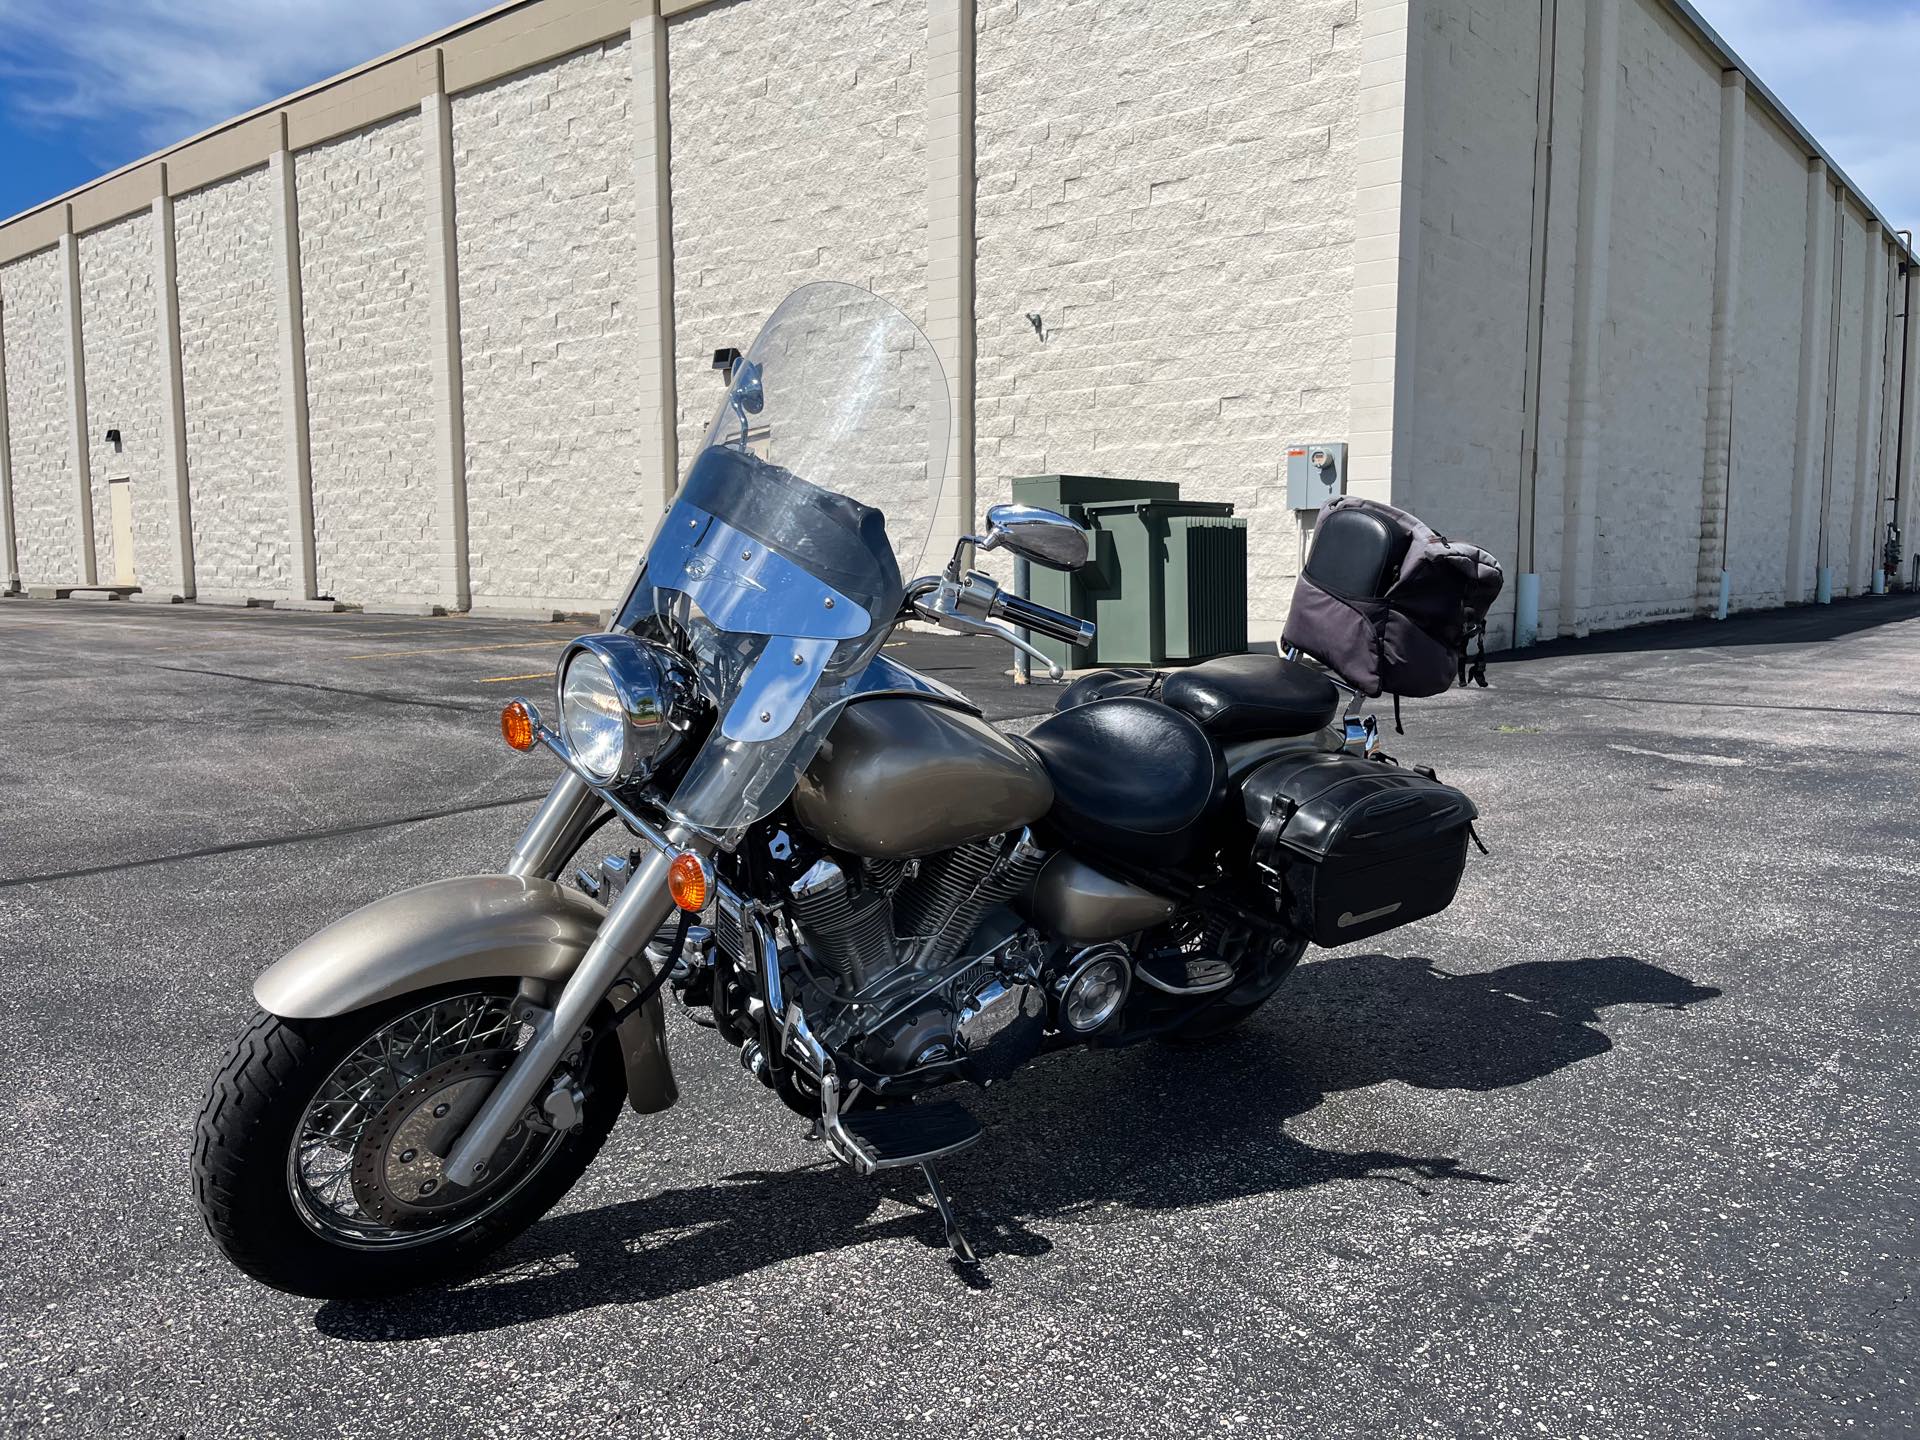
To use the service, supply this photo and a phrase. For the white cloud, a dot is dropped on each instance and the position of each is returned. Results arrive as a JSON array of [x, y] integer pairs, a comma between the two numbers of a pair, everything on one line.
[[161, 69], [1846, 70]]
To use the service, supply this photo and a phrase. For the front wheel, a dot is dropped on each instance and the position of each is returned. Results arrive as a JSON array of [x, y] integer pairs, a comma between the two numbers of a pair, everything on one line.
[[317, 1160]]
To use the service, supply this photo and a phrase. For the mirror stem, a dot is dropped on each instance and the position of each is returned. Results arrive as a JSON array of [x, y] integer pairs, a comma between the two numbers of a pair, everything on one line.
[[979, 542]]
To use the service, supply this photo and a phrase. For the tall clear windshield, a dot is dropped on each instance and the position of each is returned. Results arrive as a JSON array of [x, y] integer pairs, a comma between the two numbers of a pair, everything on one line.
[[780, 567]]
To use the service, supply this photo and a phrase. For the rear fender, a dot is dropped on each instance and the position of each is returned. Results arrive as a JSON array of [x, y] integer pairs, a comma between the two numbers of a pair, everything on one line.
[[473, 927]]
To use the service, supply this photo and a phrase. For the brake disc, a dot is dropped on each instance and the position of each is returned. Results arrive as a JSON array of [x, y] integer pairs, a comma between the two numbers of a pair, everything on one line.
[[398, 1176]]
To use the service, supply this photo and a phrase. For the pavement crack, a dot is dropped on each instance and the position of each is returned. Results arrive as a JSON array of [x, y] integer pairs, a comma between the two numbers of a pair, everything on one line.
[[383, 696], [269, 842]]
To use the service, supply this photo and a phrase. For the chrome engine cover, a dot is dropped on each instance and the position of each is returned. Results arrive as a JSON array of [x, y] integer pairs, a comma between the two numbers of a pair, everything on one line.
[[1001, 1026]]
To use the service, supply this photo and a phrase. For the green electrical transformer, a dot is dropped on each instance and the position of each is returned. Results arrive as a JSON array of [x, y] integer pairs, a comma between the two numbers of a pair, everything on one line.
[[1167, 584]]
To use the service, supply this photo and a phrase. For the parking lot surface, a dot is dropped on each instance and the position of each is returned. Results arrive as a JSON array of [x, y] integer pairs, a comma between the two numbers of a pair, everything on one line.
[[1621, 1145]]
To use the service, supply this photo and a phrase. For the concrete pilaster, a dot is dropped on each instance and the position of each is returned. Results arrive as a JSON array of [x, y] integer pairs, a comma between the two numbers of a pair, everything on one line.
[[1526, 586], [293, 369], [1810, 415], [9, 541], [950, 246], [173, 413], [1716, 473], [453, 576], [1586, 408], [1907, 429], [1392, 124], [653, 270], [81, 448], [1861, 559], [1836, 303]]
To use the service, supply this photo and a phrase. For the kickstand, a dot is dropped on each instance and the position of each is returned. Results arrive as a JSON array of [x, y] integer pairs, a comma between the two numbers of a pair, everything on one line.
[[956, 1241]]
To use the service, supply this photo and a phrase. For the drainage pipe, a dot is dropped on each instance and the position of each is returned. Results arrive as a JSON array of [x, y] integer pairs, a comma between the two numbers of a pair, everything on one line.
[[1900, 430]]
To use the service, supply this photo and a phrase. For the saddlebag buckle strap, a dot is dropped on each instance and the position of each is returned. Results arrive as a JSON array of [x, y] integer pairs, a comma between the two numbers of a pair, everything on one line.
[[1266, 842]]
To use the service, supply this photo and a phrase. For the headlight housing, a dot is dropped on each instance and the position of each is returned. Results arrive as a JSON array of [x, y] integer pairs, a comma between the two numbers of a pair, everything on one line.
[[616, 699]]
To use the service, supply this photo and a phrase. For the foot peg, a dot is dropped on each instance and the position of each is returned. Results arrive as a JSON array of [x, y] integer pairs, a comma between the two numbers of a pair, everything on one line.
[[885, 1139], [906, 1134], [912, 1135], [1180, 974]]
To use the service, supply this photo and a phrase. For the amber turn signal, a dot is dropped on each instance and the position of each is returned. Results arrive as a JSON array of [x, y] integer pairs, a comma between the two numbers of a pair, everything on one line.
[[687, 881], [516, 725]]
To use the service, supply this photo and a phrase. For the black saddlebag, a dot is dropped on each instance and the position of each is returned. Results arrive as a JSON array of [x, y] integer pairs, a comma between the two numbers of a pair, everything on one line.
[[1354, 847]]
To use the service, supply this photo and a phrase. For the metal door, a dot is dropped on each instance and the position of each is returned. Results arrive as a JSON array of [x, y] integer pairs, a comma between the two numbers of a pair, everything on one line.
[[120, 498]]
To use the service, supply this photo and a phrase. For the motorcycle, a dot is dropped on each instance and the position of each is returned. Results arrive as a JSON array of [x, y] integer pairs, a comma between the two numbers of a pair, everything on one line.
[[829, 860]]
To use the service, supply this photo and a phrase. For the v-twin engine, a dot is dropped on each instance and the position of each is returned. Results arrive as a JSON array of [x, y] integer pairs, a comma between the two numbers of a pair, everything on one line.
[[892, 939], [907, 912]]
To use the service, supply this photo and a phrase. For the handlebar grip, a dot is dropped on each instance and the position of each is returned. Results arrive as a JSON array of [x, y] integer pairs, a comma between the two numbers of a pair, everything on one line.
[[1040, 619]]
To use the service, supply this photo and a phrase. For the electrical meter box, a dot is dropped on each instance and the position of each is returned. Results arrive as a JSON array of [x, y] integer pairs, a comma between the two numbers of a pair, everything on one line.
[[1316, 472]]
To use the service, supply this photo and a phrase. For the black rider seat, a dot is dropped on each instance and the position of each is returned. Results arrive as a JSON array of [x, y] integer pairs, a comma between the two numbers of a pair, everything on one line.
[[1236, 697], [1131, 778]]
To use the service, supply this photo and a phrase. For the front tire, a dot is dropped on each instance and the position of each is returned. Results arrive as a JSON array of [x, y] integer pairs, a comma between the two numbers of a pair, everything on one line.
[[258, 1131]]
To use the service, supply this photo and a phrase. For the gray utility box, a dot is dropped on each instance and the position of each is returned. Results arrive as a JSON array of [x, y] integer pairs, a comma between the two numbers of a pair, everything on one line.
[[1316, 472], [1167, 583]]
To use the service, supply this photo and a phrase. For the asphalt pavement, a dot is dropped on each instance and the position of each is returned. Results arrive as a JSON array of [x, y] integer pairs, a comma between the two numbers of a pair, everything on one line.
[[1623, 1144]]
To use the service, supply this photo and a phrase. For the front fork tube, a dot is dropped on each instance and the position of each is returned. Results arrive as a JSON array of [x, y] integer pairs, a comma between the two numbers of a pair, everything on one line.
[[633, 920], [559, 826]]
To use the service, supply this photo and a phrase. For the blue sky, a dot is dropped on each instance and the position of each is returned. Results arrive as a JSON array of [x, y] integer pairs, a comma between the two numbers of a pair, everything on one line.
[[88, 85]]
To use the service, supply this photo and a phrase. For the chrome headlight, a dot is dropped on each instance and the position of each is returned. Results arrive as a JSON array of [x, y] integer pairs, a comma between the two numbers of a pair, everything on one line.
[[615, 699]]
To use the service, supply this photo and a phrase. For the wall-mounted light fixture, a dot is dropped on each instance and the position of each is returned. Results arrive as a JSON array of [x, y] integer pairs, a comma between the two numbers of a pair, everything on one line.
[[113, 439], [724, 361]]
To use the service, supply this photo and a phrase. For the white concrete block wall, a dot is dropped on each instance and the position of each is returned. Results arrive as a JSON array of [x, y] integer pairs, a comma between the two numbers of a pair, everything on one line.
[[544, 191], [1242, 225], [39, 423], [1172, 187], [1480, 74], [120, 330], [1660, 321], [1766, 363], [370, 396], [1475, 256], [799, 154], [242, 532]]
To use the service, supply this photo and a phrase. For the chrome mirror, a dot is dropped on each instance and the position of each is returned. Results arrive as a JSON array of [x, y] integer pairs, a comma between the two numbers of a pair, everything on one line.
[[1042, 536]]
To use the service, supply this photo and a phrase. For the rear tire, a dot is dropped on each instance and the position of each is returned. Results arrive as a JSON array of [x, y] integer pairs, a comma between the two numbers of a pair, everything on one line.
[[1237, 1006], [243, 1179]]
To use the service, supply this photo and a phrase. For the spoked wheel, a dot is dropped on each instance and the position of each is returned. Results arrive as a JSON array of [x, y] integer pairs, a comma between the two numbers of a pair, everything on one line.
[[319, 1160]]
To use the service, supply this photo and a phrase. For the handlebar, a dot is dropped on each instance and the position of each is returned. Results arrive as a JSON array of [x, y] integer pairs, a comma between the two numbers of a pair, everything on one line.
[[975, 605], [1027, 615]]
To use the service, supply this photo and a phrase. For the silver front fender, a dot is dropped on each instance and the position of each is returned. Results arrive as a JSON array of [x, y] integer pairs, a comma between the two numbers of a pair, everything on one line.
[[473, 927]]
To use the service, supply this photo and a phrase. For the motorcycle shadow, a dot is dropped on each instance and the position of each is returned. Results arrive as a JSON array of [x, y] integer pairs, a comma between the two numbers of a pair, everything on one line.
[[1085, 1139]]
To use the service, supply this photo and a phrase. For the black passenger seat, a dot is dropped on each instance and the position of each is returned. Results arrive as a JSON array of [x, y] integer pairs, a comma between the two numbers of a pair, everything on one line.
[[1235, 697]]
